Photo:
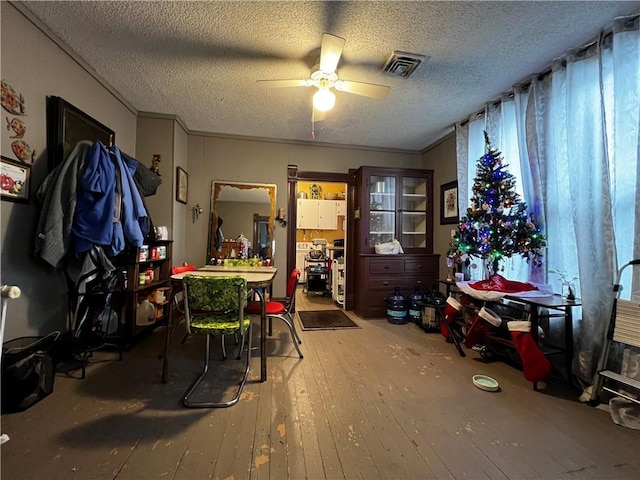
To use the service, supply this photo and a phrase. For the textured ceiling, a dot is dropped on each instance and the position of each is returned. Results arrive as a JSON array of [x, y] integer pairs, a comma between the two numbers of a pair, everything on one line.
[[201, 60]]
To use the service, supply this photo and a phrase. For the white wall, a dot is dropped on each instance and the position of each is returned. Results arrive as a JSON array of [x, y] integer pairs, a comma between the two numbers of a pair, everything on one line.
[[182, 214], [163, 135], [441, 158]]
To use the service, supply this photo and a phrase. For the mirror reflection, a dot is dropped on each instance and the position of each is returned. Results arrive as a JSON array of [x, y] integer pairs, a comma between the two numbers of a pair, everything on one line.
[[242, 220]]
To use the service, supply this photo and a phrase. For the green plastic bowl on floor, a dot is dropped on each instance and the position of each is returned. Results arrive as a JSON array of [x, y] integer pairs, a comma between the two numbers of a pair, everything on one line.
[[485, 383]]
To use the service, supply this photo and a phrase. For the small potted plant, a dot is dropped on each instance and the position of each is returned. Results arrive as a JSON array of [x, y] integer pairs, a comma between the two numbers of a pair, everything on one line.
[[568, 288]]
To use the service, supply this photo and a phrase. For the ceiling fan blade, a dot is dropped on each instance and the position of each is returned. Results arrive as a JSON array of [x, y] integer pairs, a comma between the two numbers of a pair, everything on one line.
[[365, 89], [283, 83], [330, 52]]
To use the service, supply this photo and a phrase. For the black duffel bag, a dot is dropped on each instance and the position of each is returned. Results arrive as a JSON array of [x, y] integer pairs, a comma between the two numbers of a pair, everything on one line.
[[28, 371]]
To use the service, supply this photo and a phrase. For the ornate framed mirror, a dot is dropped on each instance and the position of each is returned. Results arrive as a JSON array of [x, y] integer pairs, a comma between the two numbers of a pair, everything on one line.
[[241, 209]]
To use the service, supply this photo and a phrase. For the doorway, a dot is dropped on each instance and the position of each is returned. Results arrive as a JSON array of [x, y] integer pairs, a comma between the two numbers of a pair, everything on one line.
[[261, 238], [332, 265]]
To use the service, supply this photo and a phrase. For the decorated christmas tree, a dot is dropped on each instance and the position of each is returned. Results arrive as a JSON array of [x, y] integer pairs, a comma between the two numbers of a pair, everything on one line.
[[497, 225]]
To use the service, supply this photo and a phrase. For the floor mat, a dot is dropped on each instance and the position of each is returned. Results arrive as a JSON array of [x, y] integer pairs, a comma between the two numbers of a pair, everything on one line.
[[325, 320]]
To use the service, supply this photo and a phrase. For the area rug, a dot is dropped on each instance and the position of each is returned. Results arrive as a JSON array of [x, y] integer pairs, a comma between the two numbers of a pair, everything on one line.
[[325, 320]]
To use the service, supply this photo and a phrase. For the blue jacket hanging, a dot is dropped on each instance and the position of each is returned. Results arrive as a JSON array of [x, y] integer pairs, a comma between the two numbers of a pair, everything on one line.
[[134, 213], [109, 210]]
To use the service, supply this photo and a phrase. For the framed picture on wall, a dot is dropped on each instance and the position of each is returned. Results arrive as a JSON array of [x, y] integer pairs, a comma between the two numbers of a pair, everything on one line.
[[182, 185], [14, 180], [449, 203], [68, 125]]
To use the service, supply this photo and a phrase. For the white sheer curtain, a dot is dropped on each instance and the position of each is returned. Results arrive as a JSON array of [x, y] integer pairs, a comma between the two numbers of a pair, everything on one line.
[[577, 137], [622, 60], [586, 121]]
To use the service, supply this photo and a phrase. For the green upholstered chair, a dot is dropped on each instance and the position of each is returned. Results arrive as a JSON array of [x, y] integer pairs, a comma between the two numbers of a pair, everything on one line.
[[215, 306]]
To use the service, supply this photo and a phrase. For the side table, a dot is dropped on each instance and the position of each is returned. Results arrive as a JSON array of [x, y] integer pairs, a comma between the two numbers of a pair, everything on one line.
[[559, 304], [535, 306]]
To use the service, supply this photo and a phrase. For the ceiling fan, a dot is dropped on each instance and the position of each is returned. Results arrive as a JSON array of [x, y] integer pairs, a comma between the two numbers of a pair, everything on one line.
[[325, 78]]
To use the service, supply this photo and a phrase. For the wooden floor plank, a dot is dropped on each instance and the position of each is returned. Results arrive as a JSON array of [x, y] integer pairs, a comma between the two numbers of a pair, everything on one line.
[[318, 391], [244, 457], [345, 417], [203, 449], [306, 434], [395, 389], [289, 432], [260, 467], [395, 452], [274, 444]]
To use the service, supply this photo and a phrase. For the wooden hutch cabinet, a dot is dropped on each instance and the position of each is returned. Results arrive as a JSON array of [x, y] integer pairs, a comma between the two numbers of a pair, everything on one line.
[[392, 204]]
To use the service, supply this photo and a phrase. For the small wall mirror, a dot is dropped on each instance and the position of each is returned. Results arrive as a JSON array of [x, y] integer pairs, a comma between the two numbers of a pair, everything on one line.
[[241, 208]]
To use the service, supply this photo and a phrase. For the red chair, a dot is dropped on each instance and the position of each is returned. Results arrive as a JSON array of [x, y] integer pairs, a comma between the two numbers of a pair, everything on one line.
[[182, 269], [178, 301], [283, 311]]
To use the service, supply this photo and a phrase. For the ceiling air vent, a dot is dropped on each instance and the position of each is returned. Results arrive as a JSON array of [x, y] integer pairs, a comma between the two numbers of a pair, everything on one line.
[[402, 64]]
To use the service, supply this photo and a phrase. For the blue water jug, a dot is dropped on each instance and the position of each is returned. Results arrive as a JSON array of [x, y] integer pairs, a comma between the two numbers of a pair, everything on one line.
[[397, 312], [416, 304]]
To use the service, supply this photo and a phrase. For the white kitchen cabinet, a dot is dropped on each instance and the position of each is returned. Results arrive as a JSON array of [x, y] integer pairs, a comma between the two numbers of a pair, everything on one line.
[[307, 213], [317, 214], [327, 215], [342, 207]]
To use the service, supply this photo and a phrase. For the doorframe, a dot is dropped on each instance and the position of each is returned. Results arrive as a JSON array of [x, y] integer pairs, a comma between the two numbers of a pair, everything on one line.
[[293, 176]]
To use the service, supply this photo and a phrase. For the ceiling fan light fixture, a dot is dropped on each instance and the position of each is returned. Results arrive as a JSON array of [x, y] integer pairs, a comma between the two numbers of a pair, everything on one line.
[[324, 99]]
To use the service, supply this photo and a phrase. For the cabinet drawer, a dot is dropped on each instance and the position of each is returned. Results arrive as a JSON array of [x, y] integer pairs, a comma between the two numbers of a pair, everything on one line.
[[386, 265], [420, 265], [388, 284]]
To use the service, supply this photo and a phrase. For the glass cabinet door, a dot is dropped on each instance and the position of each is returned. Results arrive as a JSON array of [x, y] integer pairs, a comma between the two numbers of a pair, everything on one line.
[[382, 209], [413, 215]]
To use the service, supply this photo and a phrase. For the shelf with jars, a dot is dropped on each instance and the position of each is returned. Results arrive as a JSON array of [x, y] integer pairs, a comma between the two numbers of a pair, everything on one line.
[[147, 286]]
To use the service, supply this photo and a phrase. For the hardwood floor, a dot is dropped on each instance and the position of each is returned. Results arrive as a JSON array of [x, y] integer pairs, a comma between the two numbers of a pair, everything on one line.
[[381, 402], [314, 301]]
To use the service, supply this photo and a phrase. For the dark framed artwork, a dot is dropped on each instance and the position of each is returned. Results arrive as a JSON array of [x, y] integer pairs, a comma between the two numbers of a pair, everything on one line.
[[68, 125], [449, 203], [15, 180], [182, 185]]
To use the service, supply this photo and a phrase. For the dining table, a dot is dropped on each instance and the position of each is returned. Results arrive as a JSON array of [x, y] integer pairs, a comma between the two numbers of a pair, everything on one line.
[[259, 279]]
